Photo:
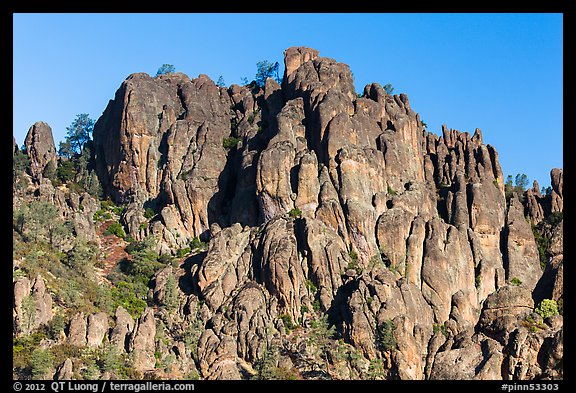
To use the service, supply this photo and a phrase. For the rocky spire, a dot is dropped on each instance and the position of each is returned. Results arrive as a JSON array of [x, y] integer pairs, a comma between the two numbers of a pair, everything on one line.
[[40, 147]]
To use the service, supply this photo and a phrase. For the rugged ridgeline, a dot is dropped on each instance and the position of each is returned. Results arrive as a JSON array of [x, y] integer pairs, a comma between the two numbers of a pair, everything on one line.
[[315, 202]]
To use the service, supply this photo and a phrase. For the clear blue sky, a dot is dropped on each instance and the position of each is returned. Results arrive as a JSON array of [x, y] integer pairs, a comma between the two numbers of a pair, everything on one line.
[[498, 72]]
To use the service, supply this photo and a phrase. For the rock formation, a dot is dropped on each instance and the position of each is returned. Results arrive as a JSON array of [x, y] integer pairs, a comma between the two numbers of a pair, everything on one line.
[[40, 147], [317, 202]]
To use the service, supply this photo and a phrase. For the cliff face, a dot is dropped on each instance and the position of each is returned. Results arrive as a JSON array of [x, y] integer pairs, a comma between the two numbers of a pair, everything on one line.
[[316, 201]]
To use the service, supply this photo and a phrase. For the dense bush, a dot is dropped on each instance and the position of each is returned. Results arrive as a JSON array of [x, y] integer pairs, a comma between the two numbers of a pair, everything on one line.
[[144, 260], [311, 287], [197, 244], [115, 229], [124, 294], [442, 328], [230, 142], [41, 363], [321, 337], [295, 213], [547, 308], [149, 213], [170, 300], [20, 163], [82, 256], [66, 171], [181, 253], [40, 221], [543, 243], [354, 262], [287, 321], [385, 335]]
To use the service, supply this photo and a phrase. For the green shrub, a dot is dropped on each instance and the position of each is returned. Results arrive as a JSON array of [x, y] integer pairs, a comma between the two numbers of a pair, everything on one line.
[[101, 215], [168, 260], [547, 308], [115, 229], [316, 305], [50, 172], [555, 218], [23, 346], [149, 213], [144, 262], [192, 334], [145, 245], [119, 210], [385, 335], [516, 281], [310, 286], [181, 253], [321, 332], [63, 351], [192, 376], [354, 262], [20, 163], [197, 244], [288, 324], [82, 256], [543, 243], [230, 142], [376, 370], [391, 191], [66, 171], [143, 266], [107, 204], [124, 295], [353, 256], [265, 366], [295, 213], [442, 328], [112, 360], [91, 370], [41, 363], [40, 221], [185, 175]]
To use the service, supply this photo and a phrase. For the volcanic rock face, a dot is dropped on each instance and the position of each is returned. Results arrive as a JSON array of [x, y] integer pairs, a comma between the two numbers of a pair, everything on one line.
[[316, 201]]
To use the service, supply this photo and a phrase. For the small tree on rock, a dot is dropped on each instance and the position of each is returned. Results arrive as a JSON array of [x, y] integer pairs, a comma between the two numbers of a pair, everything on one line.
[[388, 88], [165, 69], [77, 135], [266, 69]]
